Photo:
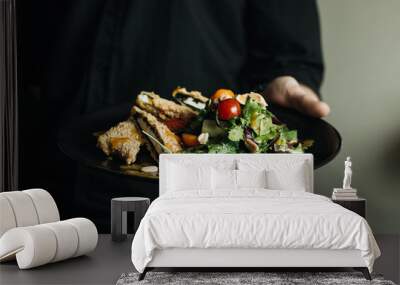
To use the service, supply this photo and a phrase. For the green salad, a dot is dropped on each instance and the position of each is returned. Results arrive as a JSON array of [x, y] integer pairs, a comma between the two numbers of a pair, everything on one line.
[[242, 125]]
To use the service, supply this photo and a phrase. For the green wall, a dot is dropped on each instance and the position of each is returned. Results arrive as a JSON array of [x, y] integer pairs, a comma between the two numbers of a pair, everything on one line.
[[361, 42]]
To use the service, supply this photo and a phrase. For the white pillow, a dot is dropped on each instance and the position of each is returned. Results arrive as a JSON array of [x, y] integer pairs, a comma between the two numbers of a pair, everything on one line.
[[251, 178], [224, 179], [291, 179], [284, 172], [188, 177], [231, 180]]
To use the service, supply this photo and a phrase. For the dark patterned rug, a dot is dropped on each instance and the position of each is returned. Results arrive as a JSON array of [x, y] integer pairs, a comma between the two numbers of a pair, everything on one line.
[[243, 278]]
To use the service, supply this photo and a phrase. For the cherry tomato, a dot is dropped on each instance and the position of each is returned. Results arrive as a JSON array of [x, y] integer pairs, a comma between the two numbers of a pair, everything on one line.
[[228, 109], [222, 94], [189, 140], [175, 124]]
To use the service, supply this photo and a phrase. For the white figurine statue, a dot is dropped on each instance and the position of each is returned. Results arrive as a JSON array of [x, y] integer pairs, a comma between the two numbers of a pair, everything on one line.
[[347, 192], [347, 174]]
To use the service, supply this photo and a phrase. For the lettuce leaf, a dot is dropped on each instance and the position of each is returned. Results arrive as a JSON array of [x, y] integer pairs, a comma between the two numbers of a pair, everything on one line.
[[288, 135], [228, 147], [236, 134], [250, 109]]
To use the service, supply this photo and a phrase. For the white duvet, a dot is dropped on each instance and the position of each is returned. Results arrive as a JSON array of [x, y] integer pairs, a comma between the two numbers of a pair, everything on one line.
[[250, 219]]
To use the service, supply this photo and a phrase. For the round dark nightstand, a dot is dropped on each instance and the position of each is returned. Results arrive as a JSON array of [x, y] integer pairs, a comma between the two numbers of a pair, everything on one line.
[[119, 209], [358, 205]]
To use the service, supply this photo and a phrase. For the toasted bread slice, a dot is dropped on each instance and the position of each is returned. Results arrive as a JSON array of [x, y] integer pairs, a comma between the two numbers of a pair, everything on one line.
[[123, 140], [193, 99], [146, 140], [162, 139], [163, 109]]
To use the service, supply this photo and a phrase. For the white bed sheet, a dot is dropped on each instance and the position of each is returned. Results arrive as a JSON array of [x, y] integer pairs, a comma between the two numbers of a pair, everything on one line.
[[251, 218]]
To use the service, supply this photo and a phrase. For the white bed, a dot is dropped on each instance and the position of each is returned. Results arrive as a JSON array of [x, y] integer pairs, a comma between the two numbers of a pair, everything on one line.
[[215, 224]]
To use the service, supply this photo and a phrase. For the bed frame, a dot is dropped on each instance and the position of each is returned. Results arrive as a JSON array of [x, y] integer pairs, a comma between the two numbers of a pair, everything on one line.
[[249, 259], [245, 259]]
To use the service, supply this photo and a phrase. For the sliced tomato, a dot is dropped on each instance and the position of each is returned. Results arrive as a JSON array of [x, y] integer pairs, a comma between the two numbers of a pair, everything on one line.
[[228, 109], [190, 140], [175, 125]]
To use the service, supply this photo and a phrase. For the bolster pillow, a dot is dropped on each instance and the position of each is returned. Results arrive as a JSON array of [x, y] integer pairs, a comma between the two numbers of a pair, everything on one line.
[[40, 244]]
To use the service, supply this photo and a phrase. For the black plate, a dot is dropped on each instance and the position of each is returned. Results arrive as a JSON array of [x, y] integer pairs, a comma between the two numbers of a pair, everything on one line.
[[77, 141]]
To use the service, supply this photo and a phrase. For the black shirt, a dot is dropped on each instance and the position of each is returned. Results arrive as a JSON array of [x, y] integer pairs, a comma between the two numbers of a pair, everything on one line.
[[122, 47], [79, 56]]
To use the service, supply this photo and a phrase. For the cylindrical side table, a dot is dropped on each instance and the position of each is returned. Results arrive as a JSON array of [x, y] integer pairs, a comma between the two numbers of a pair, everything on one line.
[[119, 209]]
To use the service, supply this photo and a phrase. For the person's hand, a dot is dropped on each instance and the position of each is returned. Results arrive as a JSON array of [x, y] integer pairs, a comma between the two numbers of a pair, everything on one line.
[[287, 92]]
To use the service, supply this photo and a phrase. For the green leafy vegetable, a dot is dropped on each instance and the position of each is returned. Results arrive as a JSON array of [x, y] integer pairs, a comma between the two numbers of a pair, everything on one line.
[[256, 126], [235, 134], [251, 107], [228, 147], [289, 135]]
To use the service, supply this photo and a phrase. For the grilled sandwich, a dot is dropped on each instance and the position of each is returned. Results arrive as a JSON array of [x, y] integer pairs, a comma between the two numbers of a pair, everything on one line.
[[194, 99], [159, 138], [123, 140], [163, 109]]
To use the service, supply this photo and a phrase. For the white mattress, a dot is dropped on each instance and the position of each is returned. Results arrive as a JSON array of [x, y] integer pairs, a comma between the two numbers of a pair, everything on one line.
[[258, 219]]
